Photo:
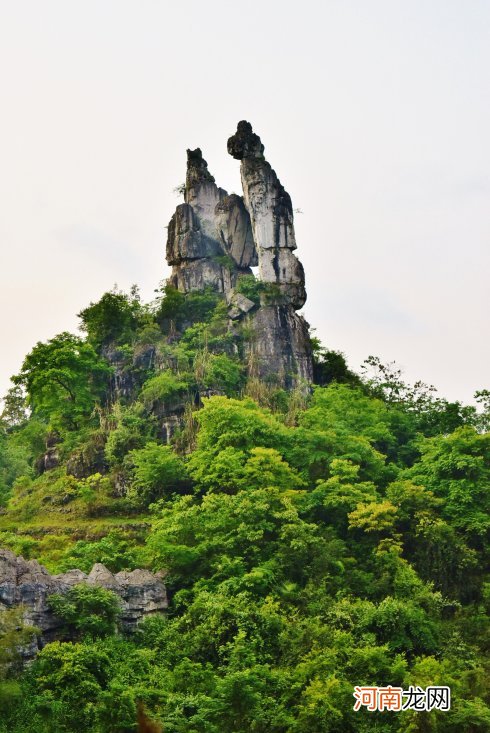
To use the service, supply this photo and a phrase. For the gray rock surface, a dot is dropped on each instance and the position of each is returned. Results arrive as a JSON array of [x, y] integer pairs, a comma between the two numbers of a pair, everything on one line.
[[28, 584], [239, 305], [271, 214], [280, 346], [235, 231], [215, 238], [209, 239]]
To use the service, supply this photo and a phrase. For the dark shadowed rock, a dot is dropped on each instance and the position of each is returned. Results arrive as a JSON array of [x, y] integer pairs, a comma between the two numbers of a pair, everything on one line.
[[197, 169], [245, 143], [235, 231], [51, 458]]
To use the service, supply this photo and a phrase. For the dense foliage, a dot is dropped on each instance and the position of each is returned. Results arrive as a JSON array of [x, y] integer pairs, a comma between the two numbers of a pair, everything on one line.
[[313, 541]]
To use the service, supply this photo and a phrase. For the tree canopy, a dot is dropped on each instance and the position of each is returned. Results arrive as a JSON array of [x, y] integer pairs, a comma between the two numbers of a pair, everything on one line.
[[311, 540]]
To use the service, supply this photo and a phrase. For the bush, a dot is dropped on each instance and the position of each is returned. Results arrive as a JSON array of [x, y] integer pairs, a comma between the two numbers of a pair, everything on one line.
[[130, 432], [115, 551], [87, 610], [250, 287], [164, 386], [157, 471], [182, 309], [223, 373], [114, 318]]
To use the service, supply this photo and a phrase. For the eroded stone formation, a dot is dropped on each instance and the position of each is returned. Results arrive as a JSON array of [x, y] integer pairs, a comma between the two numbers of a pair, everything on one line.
[[27, 584], [214, 239], [209, 237]]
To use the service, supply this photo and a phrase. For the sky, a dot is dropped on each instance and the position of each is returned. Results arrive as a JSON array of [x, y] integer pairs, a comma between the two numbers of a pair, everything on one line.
[[375, 116]]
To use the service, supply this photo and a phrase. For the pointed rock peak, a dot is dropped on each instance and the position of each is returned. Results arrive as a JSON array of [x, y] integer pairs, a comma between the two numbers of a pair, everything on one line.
[[100, 575], [197, 169], [245, 143]]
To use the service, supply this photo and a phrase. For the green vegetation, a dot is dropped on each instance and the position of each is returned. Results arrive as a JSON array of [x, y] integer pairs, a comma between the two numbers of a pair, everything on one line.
[[63, 379], [312, 542], [115, 318], [87, 611]]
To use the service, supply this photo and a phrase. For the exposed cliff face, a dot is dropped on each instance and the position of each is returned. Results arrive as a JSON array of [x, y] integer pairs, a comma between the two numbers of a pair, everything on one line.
[[206, 230], [235, 231], [215, 238], [28, 584], [279, 346], [271, 214]]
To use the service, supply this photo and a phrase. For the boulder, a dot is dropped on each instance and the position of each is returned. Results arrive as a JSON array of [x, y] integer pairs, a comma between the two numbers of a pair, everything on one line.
[[239, 305]]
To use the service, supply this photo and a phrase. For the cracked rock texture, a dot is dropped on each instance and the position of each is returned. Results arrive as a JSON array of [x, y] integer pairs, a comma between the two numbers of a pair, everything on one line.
[[214, 239], [209, 242], [271, 214], [28, 584]]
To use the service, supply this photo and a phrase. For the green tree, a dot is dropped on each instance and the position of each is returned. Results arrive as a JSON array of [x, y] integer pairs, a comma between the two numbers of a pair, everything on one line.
[[113, 319], [67, 682], [456, 468], [14, 635], [157, 472], [64, 379], [87, 610], [130, 429]]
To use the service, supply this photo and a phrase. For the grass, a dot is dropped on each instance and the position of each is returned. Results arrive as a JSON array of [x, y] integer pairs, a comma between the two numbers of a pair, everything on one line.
[[47, 516]]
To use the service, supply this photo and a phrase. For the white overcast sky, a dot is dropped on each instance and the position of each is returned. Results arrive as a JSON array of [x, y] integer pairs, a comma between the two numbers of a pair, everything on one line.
[[374, 113]]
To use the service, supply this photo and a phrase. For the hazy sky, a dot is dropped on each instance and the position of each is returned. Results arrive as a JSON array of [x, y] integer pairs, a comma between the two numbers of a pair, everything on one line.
[[375, 115]]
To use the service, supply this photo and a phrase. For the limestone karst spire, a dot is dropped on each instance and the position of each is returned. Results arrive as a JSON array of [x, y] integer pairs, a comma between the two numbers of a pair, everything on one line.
[[214, 239], [271, 214]]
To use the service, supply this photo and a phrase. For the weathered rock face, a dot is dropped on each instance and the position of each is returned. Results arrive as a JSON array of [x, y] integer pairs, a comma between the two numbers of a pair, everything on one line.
[[271, 214], [51, 458], [235, 231], [128, 374], [28, 584], [206, 230], [280, 346], [215, 238]]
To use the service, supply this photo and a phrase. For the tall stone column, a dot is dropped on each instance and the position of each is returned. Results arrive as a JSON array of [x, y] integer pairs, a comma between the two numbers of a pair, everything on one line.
[[206, 230], [281, 341], [271, 214]]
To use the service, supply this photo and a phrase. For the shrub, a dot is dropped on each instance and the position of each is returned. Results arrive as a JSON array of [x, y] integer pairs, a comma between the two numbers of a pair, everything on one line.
[[130, 432], [223, 373], [250, 287], [157, 471], [87, 610], [162, 387], [114, 318]]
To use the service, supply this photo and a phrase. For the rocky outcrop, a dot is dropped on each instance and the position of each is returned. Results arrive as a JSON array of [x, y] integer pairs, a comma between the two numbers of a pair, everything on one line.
[[235, 231], [214, 239], [28, 584], [51, 458], [279, 346], [89, 457], [271, 214], [209, 242]]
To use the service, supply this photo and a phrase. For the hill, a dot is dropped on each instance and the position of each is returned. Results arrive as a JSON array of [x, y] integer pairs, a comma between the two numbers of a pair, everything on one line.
[[318, 530]]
